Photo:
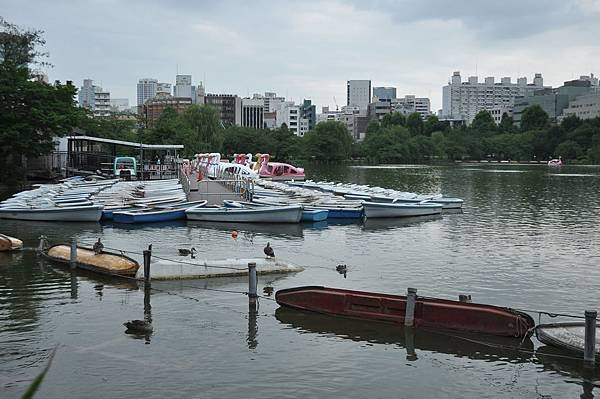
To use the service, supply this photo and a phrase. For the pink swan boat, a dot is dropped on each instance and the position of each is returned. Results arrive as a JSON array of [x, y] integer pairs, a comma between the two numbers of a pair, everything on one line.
[[555, 162], [278, 170]]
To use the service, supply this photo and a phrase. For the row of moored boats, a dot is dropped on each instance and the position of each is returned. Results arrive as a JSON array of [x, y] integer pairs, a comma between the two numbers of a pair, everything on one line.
[[79, 199]]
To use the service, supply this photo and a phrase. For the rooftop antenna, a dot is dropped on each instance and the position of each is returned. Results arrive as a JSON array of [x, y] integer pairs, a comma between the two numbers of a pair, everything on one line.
[[335, 102]]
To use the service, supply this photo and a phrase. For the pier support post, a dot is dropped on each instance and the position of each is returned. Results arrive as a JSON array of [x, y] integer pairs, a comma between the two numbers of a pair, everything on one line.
[[73, 254], [252, 282], [411, 300], [147, 258], [589, 353]]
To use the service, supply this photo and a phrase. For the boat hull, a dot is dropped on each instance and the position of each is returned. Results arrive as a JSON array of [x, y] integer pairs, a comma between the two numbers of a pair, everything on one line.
[[568, 336], [75, 214], [108, 263], [429, 312], [148, 217], [314, 215], [8, 243], [391, 210], [283, 214]]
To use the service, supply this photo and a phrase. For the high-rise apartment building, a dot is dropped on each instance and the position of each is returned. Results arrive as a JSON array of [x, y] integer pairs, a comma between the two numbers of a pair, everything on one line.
[[358, 94], [309, 112], [153, 107], [146, 89], [86, 94], [163, 88], [463, 100], [384, 93]]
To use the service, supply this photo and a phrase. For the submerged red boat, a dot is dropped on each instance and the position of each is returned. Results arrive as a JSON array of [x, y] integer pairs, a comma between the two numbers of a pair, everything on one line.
[[429, 312]]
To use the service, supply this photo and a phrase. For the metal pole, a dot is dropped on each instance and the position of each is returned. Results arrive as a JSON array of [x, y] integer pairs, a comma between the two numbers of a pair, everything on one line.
[[73, 257], [147, 258], [411, 300], [589, 353], [252, 282]]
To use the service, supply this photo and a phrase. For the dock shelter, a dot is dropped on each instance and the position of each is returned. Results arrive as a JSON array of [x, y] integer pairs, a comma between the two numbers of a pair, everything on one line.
[[90, 155]]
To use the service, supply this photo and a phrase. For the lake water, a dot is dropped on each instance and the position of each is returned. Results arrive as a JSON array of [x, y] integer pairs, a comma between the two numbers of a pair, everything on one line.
[[528, 238]]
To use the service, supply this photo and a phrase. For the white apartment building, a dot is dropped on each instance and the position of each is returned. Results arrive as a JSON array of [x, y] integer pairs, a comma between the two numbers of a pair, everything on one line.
[[463, 100], [584, 107], [498, 112], [146, 89], [183, 86], [289, 113], [358, 94], [411, 104]]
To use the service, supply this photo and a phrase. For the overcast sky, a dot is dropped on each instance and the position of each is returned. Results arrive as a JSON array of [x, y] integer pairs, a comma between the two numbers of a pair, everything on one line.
[[308, 49]]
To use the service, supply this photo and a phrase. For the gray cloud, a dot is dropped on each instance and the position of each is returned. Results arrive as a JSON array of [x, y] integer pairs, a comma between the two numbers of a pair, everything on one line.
[[309, 50]]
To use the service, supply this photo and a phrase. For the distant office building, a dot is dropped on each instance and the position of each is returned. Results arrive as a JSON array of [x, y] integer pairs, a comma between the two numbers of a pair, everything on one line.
[[95, 99], [119, 105], [270, 120], [552, 101], [153, 108], [200, 93], [384, 93], [163, 88], [228, 106], [586, 106], [253, 113], [309, 112], [358, 94], [411, 104], [146, 89], [86, 94], [378, 109], [498, 112], [183, 86], [463, 100]]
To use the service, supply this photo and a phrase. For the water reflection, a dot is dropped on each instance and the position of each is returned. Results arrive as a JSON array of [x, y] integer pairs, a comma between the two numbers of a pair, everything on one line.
[[250, 230], [252, 325], [473, 346], [374, 224]]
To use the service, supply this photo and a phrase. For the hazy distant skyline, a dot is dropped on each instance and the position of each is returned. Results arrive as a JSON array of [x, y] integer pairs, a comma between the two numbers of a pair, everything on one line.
[[310, 49]]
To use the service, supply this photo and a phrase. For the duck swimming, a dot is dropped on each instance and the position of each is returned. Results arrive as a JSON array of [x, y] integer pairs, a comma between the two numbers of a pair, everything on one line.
[[140, 326], [186, 252]]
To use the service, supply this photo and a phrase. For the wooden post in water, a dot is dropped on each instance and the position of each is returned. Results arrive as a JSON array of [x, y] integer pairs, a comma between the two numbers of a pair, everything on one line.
[[252, 283], [411, 300], [589, 353], [147, 258], [73, 255]]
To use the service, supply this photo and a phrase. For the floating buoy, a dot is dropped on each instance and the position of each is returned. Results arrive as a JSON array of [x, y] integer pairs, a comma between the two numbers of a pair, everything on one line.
[[234, 234]]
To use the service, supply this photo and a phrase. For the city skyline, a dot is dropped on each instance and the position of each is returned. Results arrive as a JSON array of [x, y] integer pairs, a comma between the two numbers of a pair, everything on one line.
[[311, 52]]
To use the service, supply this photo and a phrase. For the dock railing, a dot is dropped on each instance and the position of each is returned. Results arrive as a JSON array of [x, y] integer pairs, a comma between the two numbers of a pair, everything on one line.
[[220, 186]]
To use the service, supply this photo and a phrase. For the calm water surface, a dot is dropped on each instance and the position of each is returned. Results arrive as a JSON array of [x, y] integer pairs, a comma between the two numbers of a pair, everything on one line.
[[528, 238]]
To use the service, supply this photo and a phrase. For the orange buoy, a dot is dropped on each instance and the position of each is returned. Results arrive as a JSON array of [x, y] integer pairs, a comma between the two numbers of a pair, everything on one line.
[[234, 234]]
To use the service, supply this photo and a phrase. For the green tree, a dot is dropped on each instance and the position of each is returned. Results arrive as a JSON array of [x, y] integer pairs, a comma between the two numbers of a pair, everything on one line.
[[201, 130], [433, 124], [414, 123], [533, 118], [506, 124], [569, 149], [393, 119], [32, 113], [328, 141], [570, 123], [483, 123]]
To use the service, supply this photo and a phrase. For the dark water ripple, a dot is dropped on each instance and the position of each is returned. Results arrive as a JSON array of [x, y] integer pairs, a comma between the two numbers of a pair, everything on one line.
[[527, 238]]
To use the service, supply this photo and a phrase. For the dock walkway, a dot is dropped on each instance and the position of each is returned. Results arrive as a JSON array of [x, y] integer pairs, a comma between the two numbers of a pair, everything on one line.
[[212, 191]]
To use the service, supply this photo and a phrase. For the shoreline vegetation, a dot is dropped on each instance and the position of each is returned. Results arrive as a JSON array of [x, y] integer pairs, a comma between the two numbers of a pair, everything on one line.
[[34, 113]]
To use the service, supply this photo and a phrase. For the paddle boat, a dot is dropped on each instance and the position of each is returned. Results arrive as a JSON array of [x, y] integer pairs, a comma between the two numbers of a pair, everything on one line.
[[555, 162], [308, 215], [266, 214], [431, 313], [83, 213], [8, 243], [278, 170], [568, 336], [396, 209], [105, 262], [156, 213]]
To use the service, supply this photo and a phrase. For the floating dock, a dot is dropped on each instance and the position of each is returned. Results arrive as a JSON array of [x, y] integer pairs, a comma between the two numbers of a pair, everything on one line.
[[203, 268]]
